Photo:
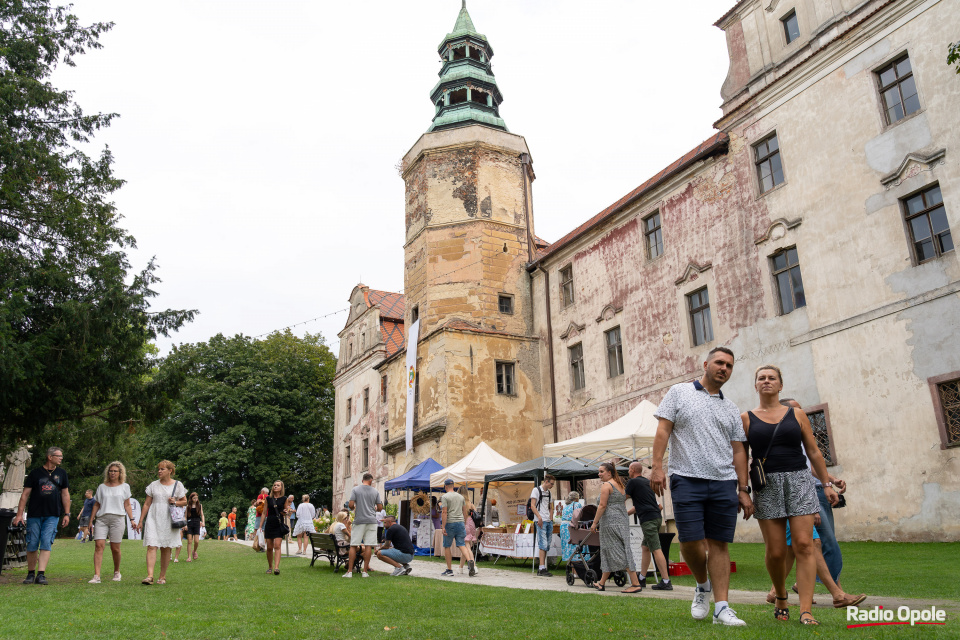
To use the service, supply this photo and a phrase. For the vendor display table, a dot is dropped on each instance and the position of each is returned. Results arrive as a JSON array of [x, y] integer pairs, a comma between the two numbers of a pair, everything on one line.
[[498, 542]]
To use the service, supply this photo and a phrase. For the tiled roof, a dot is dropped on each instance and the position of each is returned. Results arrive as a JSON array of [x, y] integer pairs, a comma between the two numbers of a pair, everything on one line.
[[732, 9], [391, 304], [392, 332], [708, 147]]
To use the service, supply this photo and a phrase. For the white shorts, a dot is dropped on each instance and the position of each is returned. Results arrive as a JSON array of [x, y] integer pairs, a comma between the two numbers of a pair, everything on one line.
[[109, 526], [363, 534]]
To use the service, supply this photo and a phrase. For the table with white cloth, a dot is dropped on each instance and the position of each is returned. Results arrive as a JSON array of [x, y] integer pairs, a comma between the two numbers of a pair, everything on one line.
[[497, 542]]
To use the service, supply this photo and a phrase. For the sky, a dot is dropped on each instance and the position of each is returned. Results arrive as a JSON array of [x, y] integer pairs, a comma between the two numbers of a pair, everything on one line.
[[260, 141]]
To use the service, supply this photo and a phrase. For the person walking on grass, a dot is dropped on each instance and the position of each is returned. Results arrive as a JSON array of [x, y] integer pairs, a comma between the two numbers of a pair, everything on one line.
[[84, 520], [156, 521], [708, 479], [272, 524], [195, 520], [304, 527], [453, 518], [222, 526], [111, 507], [232, 524], [646, 511], [46, 495], [396, 549], [538, 505], [365, 500], [614, 525]]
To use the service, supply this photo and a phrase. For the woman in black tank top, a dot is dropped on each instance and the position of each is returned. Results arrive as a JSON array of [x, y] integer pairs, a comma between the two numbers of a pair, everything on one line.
[[194, 522], [779, 435]]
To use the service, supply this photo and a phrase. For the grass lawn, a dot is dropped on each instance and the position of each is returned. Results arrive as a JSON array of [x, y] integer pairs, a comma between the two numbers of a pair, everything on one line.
[[227, 595]]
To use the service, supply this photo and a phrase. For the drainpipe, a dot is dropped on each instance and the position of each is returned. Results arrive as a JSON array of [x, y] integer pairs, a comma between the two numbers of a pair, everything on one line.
[[553, 387]]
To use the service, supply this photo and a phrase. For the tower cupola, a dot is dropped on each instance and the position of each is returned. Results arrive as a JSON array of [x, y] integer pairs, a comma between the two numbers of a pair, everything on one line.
[[467, 92]]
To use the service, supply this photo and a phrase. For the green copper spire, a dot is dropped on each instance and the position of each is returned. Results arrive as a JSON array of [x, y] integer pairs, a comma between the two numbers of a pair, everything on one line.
[[467, 92]]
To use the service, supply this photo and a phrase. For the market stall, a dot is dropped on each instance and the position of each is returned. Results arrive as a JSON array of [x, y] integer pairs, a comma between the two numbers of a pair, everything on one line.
[[415, 510], [471, 469]]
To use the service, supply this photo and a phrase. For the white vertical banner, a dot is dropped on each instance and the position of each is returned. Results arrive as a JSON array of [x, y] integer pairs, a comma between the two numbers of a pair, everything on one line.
[[412, 336]]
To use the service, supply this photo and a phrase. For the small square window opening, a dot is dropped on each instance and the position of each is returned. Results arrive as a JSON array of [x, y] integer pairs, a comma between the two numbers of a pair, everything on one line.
[[505, 303], [505, 379]]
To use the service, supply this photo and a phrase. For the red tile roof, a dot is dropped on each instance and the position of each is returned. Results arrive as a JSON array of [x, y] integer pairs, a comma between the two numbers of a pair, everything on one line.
[[715, 144], [391, 304], [392, 333]]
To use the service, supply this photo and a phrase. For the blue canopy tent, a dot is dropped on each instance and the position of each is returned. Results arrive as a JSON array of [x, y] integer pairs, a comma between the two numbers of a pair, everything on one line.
[[417, 479]]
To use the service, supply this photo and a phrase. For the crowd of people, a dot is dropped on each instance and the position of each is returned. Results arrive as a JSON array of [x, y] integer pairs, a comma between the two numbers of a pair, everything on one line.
[[786, 488]]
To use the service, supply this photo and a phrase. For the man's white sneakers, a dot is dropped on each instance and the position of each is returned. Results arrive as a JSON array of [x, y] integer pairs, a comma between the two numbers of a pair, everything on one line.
[[348, 574], [700, 608], [728, 617]]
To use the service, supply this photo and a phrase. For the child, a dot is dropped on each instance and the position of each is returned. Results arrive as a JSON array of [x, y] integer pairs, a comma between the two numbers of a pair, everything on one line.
[[232, 527], [224, 523]]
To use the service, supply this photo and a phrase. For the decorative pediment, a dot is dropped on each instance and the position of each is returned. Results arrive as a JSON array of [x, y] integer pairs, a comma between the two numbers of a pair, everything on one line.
[[772, 5], [573, 330], [692, 272], [913, 164], [608, 312], [778, 228]]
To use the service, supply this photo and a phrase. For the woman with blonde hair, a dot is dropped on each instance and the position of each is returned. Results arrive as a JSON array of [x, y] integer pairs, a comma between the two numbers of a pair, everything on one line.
[[777, 436], [305, 515], [155, 520], [272, 524], [471, 525], [110, 503]]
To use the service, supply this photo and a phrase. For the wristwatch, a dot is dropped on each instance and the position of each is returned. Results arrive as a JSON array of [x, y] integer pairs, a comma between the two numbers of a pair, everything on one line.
[[745, 489], [829, 484]]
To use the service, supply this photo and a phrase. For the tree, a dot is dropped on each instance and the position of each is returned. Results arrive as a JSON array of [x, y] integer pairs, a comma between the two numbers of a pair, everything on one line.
[[251, 412], [953, 55], [72, 330]]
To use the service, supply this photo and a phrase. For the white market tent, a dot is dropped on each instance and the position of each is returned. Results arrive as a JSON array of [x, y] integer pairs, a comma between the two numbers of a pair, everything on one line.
[[630, 437], [472, 468]]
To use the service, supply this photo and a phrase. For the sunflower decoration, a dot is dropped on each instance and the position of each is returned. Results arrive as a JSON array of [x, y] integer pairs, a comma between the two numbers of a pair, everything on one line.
[[420, 505]]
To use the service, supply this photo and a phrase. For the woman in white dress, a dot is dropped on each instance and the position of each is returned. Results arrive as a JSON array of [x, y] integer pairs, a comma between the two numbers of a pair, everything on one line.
[[305, 515], [155, 522]]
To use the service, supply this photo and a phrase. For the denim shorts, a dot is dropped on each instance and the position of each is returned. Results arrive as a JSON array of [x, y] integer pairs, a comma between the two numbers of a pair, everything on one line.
[[704, 508], [544, 536], [455, 531], [41, 532], [397, 556], [231, 531]]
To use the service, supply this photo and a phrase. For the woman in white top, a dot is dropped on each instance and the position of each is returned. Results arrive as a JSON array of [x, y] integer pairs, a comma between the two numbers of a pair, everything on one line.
[[305, 515], [158, 531], [111, 503], [341, 529]]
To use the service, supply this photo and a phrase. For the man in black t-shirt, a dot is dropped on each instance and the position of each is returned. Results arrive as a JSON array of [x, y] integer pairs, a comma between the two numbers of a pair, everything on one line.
[[646, 511], [396, 550], [47, 490]]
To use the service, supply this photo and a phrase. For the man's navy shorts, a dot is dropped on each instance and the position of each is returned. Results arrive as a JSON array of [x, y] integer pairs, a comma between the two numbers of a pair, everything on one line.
[[704, 508]]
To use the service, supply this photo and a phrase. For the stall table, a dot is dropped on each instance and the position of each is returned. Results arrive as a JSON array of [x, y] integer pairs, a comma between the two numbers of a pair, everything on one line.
[[498, 541]]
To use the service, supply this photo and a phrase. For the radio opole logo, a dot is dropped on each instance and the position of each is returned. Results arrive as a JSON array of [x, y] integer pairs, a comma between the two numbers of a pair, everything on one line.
[[878, 616]]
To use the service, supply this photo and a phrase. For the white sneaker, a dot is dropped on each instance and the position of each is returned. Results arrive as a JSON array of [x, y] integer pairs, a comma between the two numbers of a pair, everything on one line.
[[700, 608], [399, 571], [728, 617], [364, 575], [116, 576], [96, 580], [348, 574]]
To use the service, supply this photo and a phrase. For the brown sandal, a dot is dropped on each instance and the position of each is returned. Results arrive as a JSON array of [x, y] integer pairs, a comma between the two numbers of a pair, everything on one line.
[[782, 615], [147, 581], [849, 601], [808, 620]]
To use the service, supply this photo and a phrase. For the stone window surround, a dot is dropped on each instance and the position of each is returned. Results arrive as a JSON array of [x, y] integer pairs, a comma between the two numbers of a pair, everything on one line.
[[938, 407], [697, 277], [908, 232], [499, 305], [511, 391], [878, 98], [825, 408]]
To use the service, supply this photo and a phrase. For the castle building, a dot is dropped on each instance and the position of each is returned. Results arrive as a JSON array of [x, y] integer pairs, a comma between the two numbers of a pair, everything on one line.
[[812, 231]]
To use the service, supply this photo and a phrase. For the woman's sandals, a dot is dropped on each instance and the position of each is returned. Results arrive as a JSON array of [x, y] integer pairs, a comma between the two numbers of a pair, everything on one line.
[[781, 614], [809, 619]]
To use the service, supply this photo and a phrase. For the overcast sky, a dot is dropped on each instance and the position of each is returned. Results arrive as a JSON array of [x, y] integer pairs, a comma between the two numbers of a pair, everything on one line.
[[259, 140]]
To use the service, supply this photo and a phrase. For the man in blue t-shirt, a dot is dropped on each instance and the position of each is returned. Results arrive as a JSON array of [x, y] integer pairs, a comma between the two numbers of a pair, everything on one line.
[[47, 490], [84, 524]]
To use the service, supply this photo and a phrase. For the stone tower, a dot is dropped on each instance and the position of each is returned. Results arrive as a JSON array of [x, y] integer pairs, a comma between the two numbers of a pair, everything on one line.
[[469, 237]]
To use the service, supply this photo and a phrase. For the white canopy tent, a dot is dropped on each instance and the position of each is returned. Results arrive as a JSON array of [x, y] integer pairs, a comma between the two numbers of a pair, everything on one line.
[[471, 469], [630, 437]]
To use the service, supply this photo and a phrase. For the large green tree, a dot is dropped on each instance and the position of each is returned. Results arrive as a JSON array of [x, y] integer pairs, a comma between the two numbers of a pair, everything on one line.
[[73, 321], [251, 412]]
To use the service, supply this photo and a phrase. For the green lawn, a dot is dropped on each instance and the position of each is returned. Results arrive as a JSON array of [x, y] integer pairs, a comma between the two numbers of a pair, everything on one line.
[[227, 595]]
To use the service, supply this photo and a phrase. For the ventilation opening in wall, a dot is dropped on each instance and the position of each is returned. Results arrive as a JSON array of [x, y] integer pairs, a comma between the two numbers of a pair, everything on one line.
[[504, 247]]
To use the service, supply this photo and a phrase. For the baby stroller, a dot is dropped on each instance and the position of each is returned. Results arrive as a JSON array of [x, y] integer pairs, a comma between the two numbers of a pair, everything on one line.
[[584, 562]]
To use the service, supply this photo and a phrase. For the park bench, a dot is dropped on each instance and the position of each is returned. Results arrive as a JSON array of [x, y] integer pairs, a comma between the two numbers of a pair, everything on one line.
[[325, 546]]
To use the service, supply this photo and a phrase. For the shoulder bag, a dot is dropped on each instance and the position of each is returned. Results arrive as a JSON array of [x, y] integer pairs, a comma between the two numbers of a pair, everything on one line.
[[758, 476], [178, 515]]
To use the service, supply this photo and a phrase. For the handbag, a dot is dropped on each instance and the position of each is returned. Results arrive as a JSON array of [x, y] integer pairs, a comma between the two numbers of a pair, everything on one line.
[[758, 476], [178, 515], [284, 529]]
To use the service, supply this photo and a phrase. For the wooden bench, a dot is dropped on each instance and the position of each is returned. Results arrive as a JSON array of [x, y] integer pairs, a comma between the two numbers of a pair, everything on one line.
[[325, 546]]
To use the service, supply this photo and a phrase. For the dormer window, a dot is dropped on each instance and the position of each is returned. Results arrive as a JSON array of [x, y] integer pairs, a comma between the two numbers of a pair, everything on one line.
[[791, 27]]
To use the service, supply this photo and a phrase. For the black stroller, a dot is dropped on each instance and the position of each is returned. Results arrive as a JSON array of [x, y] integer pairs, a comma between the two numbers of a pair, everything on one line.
[[584, 562]]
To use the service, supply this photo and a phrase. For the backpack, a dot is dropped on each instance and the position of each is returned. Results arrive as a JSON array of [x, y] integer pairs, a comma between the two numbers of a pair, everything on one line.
[[477, 520], [530, 514]]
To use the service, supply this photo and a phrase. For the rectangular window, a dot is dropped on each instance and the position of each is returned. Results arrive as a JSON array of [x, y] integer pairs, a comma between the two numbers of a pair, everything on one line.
[[383, 388], [786, 271], [365, 453], [346, 461], [946, 401], [349, 410], [927, 220], [769, 167], [566, 286], [898, 90], [700, 317], [576, 367], [505, 303], [366, 400], [791, 27], [821, 432], [505, 379], [415, 314], [614, 352], [651, 231]]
